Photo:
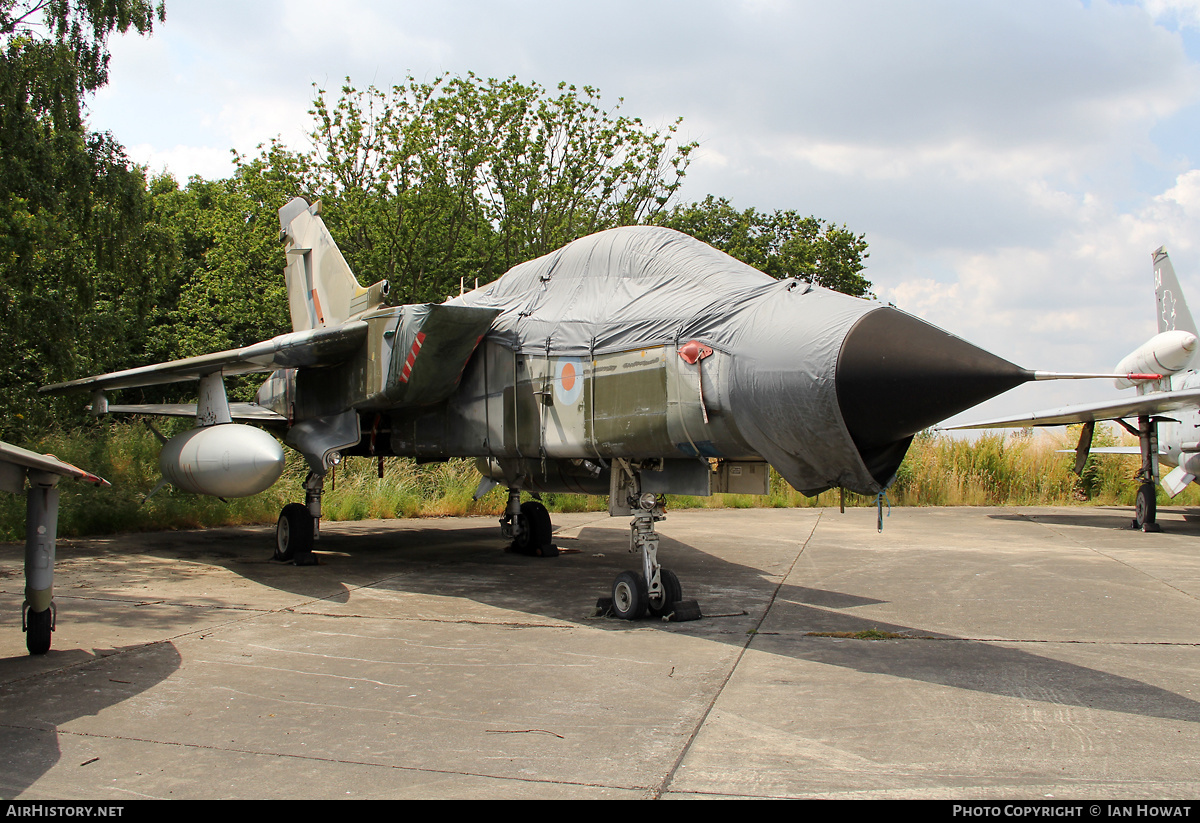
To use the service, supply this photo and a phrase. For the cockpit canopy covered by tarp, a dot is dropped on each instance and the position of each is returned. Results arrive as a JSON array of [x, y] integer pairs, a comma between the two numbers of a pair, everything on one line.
[[624, 289]]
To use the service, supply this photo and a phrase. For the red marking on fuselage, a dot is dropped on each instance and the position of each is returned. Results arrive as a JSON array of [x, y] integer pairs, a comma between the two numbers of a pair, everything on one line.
[[412, 357], [317, 304], [568, 376]]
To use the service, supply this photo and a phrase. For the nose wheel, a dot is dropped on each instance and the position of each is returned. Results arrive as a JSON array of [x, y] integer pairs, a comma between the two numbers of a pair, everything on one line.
[[671, 594], [654, 590], [630, 597], [1145, 509], [298, 526]]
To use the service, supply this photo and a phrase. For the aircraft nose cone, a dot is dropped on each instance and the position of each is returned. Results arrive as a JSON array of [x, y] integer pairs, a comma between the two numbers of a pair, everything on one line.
[[897, 375]]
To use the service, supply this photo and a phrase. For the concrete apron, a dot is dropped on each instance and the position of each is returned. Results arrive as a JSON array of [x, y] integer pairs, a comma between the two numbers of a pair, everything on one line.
[[1020, 653]]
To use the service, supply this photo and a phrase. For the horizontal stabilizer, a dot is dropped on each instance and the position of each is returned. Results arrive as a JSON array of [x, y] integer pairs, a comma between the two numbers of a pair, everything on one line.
[[25, 459], [317, 347], [247, 412], [1134, 450]]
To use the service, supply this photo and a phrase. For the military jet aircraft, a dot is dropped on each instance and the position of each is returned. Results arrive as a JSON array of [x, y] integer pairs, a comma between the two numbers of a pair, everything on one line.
[[37, 475], [1170, 386], [635, 362]]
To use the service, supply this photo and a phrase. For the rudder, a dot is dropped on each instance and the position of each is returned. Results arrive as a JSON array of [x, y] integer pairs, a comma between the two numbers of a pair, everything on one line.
[[1173, 314], [322, 291]]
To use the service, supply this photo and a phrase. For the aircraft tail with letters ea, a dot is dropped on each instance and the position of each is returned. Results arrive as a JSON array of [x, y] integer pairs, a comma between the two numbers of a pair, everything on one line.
[[322, 291]]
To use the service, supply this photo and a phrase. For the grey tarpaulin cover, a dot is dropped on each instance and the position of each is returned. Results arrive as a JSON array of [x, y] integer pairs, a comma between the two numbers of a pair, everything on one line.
[[642, 286]]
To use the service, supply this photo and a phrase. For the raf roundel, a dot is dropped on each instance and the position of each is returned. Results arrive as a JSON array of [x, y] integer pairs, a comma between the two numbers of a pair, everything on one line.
[[568, 380]]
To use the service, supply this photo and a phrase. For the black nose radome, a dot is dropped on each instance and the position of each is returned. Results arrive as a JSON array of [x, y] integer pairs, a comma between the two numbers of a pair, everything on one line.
[[897, 375]]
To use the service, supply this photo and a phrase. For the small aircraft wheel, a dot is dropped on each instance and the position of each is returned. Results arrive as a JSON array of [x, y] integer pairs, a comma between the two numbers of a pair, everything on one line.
[[39, 625], [293, 532], [537, 531], [672, 593], [1146, 509], [629, 596]]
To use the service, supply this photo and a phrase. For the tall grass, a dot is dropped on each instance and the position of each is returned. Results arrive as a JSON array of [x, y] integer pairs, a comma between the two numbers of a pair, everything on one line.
[[995, 469], [1018, 469], [126, 454]]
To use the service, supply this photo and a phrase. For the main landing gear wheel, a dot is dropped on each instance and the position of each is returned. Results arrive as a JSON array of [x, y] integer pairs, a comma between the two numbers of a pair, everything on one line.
[[535, 538], [1146, 509], [629, 596], [293, 533], [672, 594], [38, 627]]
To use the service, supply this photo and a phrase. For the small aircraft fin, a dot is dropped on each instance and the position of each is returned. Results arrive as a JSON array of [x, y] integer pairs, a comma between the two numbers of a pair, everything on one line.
[[486, 484], [1085, 446], [161, 483], [322, 290], [1176, 481]]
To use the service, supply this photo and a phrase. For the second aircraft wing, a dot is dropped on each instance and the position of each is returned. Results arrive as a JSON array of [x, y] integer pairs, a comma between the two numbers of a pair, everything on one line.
[[1156, 403], [304, 348]]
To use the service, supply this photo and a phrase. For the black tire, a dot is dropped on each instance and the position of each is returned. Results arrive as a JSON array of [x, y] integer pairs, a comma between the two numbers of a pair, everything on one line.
[[293, 532], [629, 596], [672, 593], [536, 535], [38, 628], [1146, 509], [685, 610]]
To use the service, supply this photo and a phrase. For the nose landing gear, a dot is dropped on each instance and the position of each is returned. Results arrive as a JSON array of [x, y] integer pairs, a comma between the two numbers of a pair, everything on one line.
[[654, 590]]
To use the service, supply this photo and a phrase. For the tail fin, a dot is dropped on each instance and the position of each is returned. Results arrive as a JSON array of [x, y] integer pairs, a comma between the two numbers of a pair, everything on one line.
[[322, 291], [1173, 314]]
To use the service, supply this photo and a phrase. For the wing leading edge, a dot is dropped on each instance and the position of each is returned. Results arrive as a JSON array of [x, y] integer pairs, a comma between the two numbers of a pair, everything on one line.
[[1147, 404], [15, 462], [318, 347]]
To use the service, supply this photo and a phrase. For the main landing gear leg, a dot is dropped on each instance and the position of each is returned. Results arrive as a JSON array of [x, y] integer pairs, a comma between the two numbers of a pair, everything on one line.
[[299, 525], [1145, 510], [529, 526], [41, 528]]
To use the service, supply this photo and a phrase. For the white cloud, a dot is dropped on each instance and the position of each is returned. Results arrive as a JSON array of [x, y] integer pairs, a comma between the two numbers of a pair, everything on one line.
[[1183, 12], [183, 161]]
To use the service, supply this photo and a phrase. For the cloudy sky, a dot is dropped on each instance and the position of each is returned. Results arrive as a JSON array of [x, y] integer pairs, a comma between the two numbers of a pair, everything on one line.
[[1013, 164]]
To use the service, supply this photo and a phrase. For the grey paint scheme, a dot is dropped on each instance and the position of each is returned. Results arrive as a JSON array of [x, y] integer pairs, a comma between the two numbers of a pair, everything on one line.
[[612, 309], [775, 343]]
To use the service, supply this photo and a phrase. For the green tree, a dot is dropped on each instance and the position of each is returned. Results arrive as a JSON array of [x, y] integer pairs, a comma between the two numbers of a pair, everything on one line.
[[782, 244], [71, 205], [465, 177], [226, 287]]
